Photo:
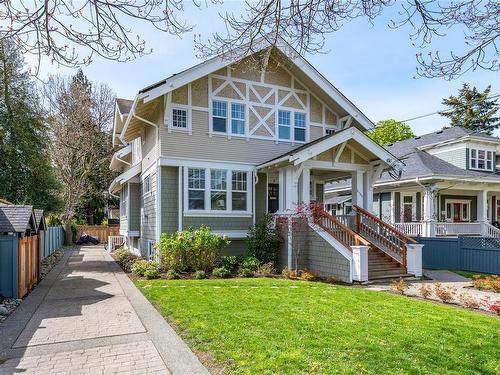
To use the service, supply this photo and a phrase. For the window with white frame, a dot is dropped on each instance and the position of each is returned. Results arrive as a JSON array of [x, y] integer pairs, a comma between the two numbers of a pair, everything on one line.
[[457, 210], [217, 190], [146, 185], [481, 159], [179, 118], [237, 118], [219, 116], [286, 131], [123, 202], [196, 189], [329, 131]]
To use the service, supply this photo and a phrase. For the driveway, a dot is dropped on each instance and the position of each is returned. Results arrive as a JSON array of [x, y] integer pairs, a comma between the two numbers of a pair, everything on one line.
[[86, 317]]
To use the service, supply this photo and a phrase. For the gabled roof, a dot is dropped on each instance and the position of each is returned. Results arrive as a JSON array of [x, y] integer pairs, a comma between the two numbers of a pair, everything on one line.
[[198, 71], [124, 105], [17, 218], [39, 218]]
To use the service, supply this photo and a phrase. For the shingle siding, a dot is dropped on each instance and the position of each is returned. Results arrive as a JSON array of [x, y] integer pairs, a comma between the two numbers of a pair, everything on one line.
[[218, 223], [134, 216], [169, 199]]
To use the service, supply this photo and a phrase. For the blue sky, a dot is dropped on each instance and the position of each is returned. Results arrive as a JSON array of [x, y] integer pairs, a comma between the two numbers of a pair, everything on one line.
[[372, 65]]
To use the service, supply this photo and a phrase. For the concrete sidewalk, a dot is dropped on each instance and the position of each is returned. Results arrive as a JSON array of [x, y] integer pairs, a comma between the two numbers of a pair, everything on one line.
[[87, 317]]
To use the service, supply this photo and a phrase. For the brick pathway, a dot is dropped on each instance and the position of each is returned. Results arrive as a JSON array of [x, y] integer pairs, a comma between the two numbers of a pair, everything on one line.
[[86, 317]]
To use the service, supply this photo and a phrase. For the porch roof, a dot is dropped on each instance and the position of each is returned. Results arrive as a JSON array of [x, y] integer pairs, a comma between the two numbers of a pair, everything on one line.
[[125, 177], [316, 147]]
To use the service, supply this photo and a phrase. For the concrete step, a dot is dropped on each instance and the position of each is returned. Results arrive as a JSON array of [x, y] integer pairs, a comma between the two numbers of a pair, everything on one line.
[[393, 272], [386, 278]]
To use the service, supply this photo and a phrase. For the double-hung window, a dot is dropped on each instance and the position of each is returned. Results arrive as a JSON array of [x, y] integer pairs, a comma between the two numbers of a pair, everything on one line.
[[146, 185], [239, 190], [237, 118], [219, 116], [179, 118], [481, 159], [218, 189], [196, 189], [297, 133]]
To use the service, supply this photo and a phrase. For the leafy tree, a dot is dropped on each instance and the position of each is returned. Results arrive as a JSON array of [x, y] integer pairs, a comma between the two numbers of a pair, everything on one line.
[[26, 175], [471, 109], [390, 131]]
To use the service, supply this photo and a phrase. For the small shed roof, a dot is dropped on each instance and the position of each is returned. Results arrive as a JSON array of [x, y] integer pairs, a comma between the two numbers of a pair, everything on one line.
[[39, 219], [17, 218]]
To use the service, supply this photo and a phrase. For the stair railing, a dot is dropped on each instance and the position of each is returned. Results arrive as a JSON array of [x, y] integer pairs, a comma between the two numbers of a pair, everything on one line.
[[337, 230], [386, 237]]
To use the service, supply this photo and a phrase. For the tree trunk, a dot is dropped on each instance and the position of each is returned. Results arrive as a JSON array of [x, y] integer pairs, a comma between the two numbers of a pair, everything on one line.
[[68, 233]]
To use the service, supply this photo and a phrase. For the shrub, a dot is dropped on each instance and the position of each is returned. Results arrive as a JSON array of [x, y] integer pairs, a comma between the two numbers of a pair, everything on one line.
[[204, 248], [172, 249], [288, 273], [399, 286], [172, 275], [53, 220], [230, 263], [468, 301], [425, 291], [200, 275], [265, 269], [141, 266], [125, 259], [245, 272], [221, 272], [264, 240], [444, 294], [250, 262], [307, 276], [151, 273], [487, 283]]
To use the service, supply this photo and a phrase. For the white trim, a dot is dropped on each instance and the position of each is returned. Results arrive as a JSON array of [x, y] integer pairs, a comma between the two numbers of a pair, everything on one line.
[[180, 191], [232, 234], [203, 163], [158, 202], [452, 201], [413, 196], [170, 121]]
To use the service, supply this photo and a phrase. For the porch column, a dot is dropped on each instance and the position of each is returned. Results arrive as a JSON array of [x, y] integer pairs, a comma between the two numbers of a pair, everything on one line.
[[291, 188], [368, 191], [306, 186], [357, 189], [281, 190], [482, 206], [429, 214]]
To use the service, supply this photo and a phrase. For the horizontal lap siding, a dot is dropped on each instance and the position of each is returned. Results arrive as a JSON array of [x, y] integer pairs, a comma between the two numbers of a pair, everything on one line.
[[169, 199], [260, 196], [199, 145], [455, 157], [218, 223], [236, 247], [148, 217], [124, 218], [135, 207]]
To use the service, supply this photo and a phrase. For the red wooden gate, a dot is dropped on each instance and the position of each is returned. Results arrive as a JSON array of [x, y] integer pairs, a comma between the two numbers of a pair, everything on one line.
[[27, 264]]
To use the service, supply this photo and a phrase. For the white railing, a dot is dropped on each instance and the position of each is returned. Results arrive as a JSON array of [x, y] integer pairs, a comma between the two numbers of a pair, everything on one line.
[[114, 242], [490, 231], [455, 229], [410, 229]]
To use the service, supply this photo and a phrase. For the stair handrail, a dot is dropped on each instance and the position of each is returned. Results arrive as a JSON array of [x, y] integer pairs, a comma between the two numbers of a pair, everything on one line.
[[398, 248], [351, 238]]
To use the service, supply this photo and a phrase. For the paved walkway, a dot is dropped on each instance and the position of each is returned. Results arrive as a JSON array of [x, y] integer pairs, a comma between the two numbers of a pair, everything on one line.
[[86, 317]]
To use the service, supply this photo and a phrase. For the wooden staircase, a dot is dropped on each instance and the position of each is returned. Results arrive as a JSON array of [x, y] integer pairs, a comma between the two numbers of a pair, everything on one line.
[[387, 254]]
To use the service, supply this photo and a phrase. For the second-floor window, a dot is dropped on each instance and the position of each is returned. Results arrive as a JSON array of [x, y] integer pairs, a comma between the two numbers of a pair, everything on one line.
[[146, 185], [481, 159], [179, 118], [224, 111], [286, 131]]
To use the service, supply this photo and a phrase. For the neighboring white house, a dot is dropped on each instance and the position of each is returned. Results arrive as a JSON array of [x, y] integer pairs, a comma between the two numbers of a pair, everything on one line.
[[228, 140], [450, 185]]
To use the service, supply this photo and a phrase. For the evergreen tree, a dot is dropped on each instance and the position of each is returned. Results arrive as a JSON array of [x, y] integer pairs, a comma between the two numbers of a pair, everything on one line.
[[472, 110], [26, 175]]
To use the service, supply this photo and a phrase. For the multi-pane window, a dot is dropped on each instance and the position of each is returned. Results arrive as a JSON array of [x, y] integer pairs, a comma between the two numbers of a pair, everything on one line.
[[179, 118], [219, 116], [237, 118], [196, 189], [284, 124], [329, 131], [146, 185], [218, 189], [285, 129], [239, 191], [300, 127], [481, 159]]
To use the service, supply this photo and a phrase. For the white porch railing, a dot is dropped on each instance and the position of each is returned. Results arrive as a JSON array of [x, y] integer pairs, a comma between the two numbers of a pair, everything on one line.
[[114, 242], [410, 229], [491, 231], [455, 229]]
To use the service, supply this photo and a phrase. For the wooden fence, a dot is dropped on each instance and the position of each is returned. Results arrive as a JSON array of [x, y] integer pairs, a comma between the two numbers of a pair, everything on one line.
[[100, 231], [8, 265], [475, 254], [28, 265], [51, 240]]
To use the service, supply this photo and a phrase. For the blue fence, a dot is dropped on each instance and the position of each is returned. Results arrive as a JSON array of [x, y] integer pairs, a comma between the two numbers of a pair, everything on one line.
[[8, 265], [476, 254], [52, 239]]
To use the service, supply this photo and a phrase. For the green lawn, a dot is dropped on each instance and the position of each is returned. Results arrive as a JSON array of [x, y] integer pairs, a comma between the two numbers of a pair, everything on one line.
[[274, 326]]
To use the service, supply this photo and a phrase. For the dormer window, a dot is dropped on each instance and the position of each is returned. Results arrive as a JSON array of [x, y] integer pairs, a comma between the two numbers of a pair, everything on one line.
[[481, 160]]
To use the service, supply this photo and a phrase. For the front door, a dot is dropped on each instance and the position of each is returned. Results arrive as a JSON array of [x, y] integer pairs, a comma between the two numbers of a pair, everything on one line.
[[456, 212], [273, 198]]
